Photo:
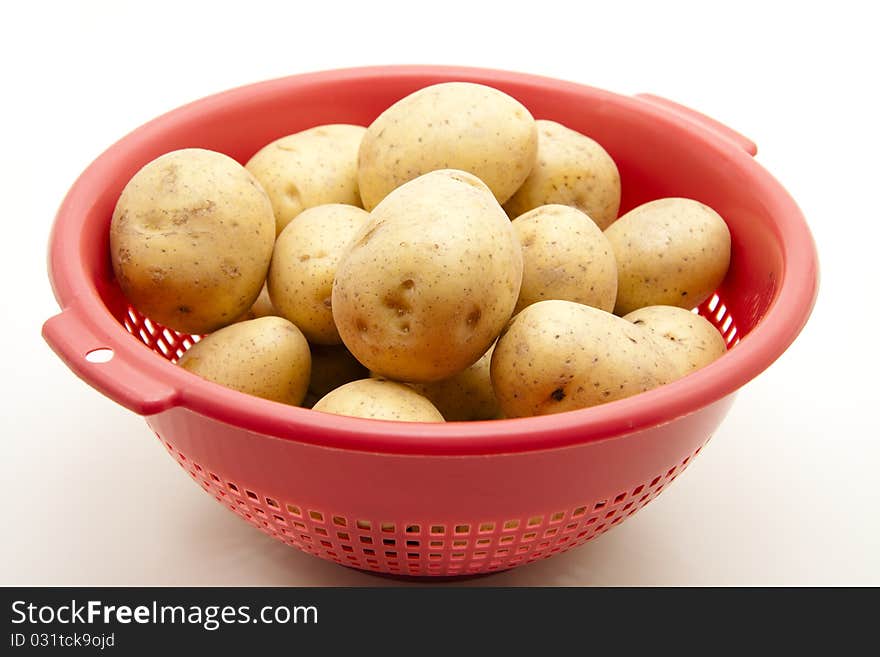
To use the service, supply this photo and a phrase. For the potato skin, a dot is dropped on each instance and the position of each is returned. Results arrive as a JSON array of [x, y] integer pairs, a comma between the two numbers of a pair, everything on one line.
[[570, 169], [565, 256], [453, 125], [689, 340], [190, 240], [466, 396], [309, 168], [429, 281], [669, 252], [266, 357], [262, 307], [559, 356], [304, 263], [379, 399]]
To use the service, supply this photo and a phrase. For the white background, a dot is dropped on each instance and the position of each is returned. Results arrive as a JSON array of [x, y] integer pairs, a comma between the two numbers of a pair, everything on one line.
[[786, 492]]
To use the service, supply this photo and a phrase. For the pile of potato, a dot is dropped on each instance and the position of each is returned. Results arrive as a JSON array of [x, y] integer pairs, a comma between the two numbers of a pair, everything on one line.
[[456, 260]]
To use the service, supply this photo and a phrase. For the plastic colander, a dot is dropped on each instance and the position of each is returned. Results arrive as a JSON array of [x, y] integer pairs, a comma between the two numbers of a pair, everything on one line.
[[436, 499]]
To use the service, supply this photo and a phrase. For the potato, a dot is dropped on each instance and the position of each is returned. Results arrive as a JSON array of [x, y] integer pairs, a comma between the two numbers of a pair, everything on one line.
[[464, 396], [453, 125], [379, 399], [333, 367], [309, 168], [571, 169], [303, 265], [559, 356], [669, 252], [266, 357], [262, 307], [690, 341], [190, 240], [565, 256], [430, 280]]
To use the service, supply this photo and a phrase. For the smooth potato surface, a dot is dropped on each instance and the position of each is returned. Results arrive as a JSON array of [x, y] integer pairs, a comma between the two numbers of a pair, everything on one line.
[[690, 341], [565, 256], [266, 357], [304, 263], [190, 240], [453, 125], [669, 252], [429, 281], [570, 169], [379, 399], [309, 168], [559, 356]]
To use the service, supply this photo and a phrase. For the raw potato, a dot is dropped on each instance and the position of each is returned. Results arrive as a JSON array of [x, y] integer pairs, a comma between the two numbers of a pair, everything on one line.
[[465, 396], [571, 169], [262, 307], [430, 280], [190, 240], [266, 357], [690, 341], [333, 367], [565, 256], [304, 263], [669, 252], [379, 399], [559, 356], [453, 125], [309, 168]]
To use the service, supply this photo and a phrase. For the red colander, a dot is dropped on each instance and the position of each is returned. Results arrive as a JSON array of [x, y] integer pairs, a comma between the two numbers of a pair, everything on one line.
[[436, 499]]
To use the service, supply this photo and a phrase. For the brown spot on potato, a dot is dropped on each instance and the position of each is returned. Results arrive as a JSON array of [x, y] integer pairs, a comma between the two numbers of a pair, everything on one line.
[[196, 211], [169, 179], [395, 303], [473, 317], [368, 235], [558, 394], [204, 208], [230, 269], [182, 217], [157, 274]]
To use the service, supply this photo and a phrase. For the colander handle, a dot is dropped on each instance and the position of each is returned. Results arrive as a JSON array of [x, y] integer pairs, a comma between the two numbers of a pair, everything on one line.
[[702, 120], [88, 350]]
